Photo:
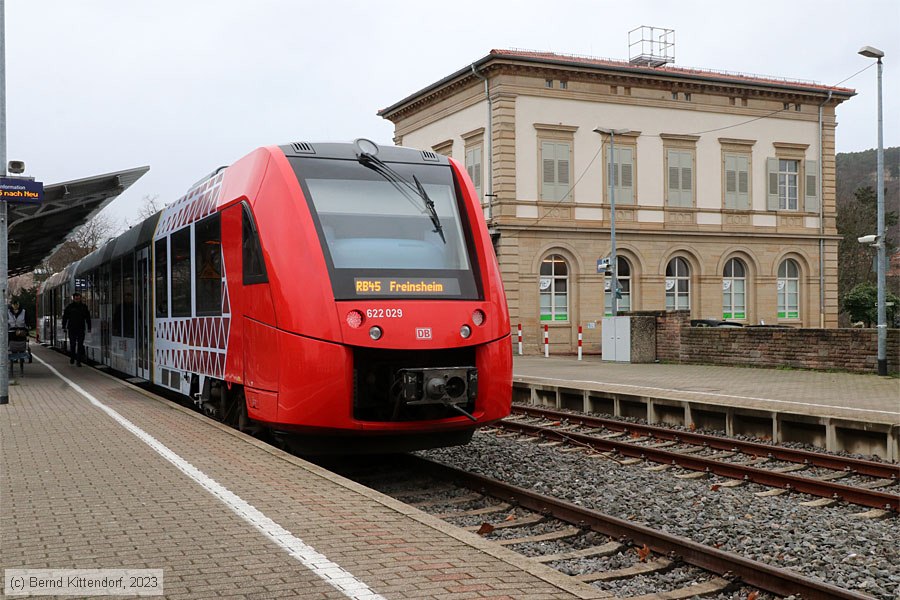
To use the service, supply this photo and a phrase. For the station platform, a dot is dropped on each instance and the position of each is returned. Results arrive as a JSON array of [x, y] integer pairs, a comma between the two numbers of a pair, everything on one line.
[[838, 411], [99, 474]]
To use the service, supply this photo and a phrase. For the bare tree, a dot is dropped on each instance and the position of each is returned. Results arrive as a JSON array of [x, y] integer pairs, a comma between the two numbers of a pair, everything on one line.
[[151, 205], [84, 240]]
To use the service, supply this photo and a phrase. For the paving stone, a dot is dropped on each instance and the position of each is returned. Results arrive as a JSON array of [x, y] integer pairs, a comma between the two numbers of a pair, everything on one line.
[[78, 489]]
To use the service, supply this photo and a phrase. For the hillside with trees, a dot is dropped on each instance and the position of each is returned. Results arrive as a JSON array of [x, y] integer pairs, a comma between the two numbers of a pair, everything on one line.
[[856, 217]]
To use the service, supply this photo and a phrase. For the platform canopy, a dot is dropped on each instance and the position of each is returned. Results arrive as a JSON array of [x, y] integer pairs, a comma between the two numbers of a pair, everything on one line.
[[37, 230]]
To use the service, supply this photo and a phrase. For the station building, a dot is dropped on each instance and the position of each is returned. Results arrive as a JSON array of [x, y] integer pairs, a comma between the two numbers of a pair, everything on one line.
[[723, 184]]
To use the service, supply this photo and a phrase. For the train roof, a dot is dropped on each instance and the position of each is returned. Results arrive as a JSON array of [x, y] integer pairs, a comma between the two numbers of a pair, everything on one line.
[[139, 235], [350, 151]]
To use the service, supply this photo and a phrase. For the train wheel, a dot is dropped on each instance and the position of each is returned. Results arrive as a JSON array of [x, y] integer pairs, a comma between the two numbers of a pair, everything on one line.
[[236, 412]]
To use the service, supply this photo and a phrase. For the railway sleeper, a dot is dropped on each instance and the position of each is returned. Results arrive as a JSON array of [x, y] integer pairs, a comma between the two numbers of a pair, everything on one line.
[[543, 537], [607, 549], [834, 476], [641, 568], [715, 585], [441, 502], [880, 483], [533, 520], [791, 468], [474, 512]]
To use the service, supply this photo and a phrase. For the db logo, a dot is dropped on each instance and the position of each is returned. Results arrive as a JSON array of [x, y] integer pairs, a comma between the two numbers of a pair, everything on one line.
[[423, 333]]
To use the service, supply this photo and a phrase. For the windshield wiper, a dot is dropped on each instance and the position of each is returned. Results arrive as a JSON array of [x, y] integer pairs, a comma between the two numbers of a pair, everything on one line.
[[432, 212], [405, 188]]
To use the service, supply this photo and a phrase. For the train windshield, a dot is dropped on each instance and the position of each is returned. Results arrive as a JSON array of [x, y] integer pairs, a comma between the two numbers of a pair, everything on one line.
[[391, 231]]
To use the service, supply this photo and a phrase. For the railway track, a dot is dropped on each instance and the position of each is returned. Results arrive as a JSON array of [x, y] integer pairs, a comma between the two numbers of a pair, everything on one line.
[[515, 517], [670, 447]]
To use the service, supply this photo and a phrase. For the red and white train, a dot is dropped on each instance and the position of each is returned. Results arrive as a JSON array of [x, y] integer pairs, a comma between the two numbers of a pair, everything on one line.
[[341, 296]]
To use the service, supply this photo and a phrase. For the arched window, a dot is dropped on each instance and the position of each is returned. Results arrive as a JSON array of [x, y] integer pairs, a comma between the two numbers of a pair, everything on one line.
[[554, 288], [788, 289], [734, 290], [678, 285], [624, 276]]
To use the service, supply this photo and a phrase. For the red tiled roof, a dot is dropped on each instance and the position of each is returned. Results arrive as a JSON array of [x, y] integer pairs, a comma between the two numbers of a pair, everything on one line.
[[667, 70]]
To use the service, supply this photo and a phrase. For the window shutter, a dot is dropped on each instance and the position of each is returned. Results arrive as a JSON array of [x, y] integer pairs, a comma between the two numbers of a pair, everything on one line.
[[562, 170], [548, 156], [680, 178], [811, 203], [731, 177], [687, 179], [772, 179], [743, 182], [674, 178], [626, 165]]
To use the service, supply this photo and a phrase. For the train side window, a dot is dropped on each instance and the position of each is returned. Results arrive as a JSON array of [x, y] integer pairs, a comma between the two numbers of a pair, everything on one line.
[[181, 273], [208, 263], [127, 306], [117, 297], [254, 265], [162, 277]]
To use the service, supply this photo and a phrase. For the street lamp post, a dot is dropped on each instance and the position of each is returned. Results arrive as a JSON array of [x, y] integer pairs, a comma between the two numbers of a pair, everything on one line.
[[870, 52], [614, 263]]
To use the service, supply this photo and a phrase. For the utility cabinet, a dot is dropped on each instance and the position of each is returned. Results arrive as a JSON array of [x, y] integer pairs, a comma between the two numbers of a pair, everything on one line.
[[629, 339]]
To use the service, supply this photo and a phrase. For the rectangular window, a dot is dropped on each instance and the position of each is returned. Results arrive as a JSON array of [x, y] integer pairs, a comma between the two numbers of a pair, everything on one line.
[[680, 178], [208, 263], [783, 176], [555, 171], [117, 297], [622, 175], [788, 298], [788, 184], [127, 306], [624, 304], [181, 273], [161, 266], [473, 168], [737, 181], [254, 265]]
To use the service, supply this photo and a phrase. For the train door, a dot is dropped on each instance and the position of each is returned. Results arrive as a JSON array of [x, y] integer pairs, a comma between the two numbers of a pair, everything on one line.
[[142, 305]]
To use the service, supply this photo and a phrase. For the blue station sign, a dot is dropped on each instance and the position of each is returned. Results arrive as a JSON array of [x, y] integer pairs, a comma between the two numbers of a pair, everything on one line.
[[24, 191]]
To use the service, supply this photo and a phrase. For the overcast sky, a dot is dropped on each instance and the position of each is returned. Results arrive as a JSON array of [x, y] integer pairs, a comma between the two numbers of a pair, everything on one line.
[[184, 86]]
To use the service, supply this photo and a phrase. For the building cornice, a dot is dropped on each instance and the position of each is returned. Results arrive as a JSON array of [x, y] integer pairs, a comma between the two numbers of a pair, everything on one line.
[[675, 78]]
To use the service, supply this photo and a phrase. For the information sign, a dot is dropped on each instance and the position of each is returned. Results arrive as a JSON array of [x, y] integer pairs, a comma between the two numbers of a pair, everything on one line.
[[24, 191]]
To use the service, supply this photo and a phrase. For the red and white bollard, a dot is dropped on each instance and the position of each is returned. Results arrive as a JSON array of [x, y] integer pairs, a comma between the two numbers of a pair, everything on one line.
[[520, 339], [580, 338], [546, 341]]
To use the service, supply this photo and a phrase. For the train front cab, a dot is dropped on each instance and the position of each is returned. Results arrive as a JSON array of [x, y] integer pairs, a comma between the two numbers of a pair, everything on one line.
[[384, 326]]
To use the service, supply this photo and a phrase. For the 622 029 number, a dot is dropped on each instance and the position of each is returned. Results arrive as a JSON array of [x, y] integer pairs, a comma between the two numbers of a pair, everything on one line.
[[384, 313]]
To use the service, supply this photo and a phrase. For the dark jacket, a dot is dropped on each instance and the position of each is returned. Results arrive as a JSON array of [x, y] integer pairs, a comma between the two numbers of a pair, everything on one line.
[[76, 317]]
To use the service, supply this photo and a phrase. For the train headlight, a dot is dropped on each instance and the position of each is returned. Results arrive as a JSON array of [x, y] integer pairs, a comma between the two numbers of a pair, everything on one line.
[[354, 319], [375, 332], [478, 317], [465, 331]]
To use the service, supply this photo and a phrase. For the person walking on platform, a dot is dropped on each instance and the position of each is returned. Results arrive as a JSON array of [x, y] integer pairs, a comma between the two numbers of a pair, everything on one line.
[[16, 319], [76, 318]]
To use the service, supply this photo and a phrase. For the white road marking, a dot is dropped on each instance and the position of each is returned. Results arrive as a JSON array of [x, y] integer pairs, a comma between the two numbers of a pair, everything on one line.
[[316, 562], [655, 389]]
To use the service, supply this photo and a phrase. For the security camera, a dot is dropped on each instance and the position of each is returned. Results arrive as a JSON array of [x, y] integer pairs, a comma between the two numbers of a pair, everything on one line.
[[16, 166], [867, 239]]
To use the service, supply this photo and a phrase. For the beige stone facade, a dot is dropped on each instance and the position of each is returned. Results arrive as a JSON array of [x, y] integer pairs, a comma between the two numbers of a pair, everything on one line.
[[718, 206]]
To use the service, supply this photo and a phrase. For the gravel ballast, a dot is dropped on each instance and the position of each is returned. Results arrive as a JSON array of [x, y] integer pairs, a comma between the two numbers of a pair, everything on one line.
[[827, 543]]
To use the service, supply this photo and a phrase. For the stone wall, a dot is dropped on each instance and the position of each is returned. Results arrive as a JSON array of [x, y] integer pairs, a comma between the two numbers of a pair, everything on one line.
[[852, 350]]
